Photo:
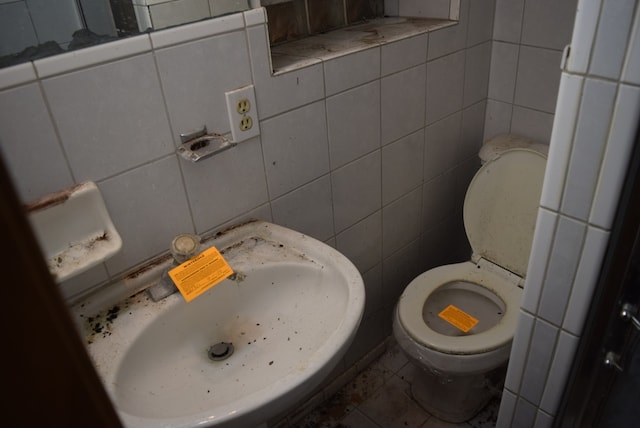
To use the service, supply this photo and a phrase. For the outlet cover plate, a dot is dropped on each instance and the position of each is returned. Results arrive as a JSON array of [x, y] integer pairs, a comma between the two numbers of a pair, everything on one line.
[[238, 115]]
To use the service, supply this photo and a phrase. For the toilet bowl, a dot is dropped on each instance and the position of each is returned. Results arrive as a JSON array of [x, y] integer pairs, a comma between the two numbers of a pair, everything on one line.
[[456, 322]]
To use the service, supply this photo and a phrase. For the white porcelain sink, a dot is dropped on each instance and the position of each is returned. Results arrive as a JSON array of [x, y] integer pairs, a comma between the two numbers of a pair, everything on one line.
[[290, 312]]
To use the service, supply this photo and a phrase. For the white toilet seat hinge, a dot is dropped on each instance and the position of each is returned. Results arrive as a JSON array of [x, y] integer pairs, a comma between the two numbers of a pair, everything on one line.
[[500, 271]]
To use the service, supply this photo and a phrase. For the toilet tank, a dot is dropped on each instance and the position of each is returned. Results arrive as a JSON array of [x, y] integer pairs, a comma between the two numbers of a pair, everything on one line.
[[496, 145]]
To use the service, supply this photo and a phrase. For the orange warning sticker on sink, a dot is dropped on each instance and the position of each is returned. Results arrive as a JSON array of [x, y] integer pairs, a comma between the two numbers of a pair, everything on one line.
[[458, 318], [200, 273]]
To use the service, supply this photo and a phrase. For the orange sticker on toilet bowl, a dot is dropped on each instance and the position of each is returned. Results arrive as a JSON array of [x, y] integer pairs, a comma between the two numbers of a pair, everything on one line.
[[458, 318]]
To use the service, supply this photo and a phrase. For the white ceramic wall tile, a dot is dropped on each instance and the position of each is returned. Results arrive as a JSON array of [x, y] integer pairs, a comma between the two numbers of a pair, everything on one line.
[[504, 65], [192, 96], [295, 148], [497, 119], [569, 96], [561, 270], [524, 415], [436, 244], [75, 287], [547, 23], [351, 70], [476, 76], [307, 209], [463, 174], [401, 222], [403, 103], [402, 163], [30, 148], [472, 132], [404, 54], [255, 16], [584, 31], [616, 156], [356, 190], [16, 75], [451, 39], [562, 362], [197, 30], [442, 139], [595, 246], [480, 28], [438, 200], [631, 71], [588, 147], [445, 86], [276, 94], [397, 271], [613, 31], [178, 12], [519, 351], [222, 7], [540, 250], [352, 118], [362, 242], [97, 148], [148, 207], [538, 78], [506, 410], [543, 420], [373, 288], [507, 24], [539, 359], [534, 124], [16, 28], [226, 185], [94, 55]]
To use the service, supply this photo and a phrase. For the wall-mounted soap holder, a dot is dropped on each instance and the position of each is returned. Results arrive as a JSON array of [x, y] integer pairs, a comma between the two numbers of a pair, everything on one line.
[[201, 144], [74, 230]]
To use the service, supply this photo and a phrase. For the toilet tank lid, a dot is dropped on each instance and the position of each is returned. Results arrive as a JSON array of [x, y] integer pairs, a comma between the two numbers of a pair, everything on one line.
[[501, 208], [500, 143]]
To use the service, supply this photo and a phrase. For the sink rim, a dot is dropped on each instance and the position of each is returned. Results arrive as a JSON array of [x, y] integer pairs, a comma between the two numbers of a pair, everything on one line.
[[251, 408]]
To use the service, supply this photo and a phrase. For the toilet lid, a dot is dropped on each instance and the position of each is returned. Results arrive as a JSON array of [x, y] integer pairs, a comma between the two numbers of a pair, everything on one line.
[[501, 207]]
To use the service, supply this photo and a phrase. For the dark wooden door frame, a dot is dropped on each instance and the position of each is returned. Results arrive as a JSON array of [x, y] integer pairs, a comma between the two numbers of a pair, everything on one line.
[[48, 378]]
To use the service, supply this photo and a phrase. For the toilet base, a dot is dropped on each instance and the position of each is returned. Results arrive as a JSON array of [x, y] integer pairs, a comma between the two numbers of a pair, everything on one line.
[[456, 399]]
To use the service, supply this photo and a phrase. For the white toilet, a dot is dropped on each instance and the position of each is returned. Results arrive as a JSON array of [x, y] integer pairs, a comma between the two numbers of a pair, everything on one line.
[[461, 371]]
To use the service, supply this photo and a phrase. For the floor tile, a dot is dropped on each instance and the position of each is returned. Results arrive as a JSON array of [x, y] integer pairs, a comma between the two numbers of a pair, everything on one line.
[[488, 416], [393, 359], [380, 397], [392, 406], [356, 419]]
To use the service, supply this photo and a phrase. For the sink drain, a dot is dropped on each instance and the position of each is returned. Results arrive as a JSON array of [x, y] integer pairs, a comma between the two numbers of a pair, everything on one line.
[[220, 351]]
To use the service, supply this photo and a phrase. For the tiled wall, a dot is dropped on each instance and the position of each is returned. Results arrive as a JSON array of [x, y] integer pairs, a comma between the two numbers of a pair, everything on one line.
[[158, 14], [528, 39], [337, 158], [593, 133]]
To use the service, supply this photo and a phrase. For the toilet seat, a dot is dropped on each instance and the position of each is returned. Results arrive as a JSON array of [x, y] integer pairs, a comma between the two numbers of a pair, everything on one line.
[[412, 301]]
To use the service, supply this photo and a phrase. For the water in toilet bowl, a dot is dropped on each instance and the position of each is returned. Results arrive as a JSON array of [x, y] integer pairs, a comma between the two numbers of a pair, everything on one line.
[[472, 299]]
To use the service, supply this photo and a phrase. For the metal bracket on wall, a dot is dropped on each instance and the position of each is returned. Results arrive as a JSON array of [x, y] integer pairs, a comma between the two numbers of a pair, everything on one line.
[[200, 144]]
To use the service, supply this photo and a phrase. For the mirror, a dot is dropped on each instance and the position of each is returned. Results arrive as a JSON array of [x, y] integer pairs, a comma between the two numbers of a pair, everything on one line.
[[34, 29]]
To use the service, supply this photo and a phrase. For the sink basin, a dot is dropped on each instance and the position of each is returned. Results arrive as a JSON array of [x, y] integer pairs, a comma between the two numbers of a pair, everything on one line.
[[290, 311]]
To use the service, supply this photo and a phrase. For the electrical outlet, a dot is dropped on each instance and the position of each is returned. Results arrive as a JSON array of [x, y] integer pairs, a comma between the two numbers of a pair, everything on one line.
[[243, 117]]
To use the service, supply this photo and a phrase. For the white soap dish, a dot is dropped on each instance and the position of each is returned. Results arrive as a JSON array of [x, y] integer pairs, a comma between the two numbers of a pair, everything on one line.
[[74, 230]]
